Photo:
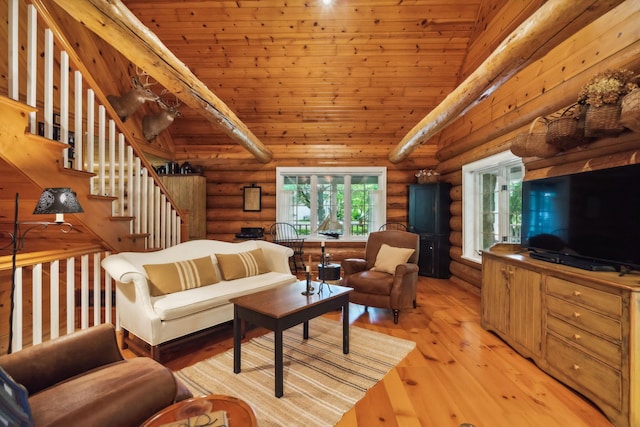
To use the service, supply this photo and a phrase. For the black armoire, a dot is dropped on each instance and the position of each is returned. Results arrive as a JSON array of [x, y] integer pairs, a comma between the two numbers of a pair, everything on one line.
[[429, 217]]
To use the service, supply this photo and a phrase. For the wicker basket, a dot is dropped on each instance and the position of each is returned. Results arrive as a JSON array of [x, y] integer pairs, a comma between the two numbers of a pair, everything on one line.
[[425, 179], [567, 131], [534, 142], [630, 111], [603, 121]]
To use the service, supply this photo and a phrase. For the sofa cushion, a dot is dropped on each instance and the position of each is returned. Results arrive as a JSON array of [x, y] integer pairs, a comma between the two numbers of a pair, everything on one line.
[[389, 257], [186, 303], [242, 264], [124, 393], [180, 275]]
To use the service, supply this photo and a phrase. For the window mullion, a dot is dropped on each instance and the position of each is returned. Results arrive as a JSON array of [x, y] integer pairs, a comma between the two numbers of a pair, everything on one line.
[[347, 206], [313, 216], [503, 209]]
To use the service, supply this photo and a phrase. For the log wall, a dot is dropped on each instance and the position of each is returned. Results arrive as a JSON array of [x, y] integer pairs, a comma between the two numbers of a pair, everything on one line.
[[225, 216], [542, 89]]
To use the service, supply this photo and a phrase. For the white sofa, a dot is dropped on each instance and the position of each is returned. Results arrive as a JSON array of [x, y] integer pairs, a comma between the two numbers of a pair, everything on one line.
[[159, 319]]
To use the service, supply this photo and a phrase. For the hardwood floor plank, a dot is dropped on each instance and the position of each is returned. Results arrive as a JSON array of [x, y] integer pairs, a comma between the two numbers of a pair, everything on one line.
[[399, 398], [377, 409]]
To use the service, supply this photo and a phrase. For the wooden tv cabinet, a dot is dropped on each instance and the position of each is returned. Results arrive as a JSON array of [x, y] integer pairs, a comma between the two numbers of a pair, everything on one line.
[[581, 327]]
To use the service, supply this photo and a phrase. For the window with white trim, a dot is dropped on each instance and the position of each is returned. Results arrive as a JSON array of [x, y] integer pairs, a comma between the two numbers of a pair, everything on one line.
[[492, 203], [345, 203]]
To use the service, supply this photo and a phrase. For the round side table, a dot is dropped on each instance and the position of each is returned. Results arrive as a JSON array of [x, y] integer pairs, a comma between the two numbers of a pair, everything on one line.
[[239, 413]]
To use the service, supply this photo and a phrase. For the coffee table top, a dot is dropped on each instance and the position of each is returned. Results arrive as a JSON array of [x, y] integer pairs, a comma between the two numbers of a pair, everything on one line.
[[284, 300], [239, 413]]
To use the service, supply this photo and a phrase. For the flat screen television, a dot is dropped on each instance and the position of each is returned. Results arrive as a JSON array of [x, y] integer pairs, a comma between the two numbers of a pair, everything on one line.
[[589, 220]]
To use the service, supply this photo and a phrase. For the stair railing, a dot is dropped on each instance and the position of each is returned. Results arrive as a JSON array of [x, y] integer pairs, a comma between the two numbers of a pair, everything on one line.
[[98, 141], [68, 290]]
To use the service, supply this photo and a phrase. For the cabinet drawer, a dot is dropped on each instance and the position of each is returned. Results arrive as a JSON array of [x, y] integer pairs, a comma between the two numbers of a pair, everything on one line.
[[584, 373], [606, 351], [598, 300], [584, 318]]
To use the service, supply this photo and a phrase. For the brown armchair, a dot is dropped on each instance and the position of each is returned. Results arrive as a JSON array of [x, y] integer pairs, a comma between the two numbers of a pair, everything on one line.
[[388, 281], [81, 379]]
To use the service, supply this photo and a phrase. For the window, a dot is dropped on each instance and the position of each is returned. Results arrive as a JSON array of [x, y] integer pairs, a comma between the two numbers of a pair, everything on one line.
[[492, 208], [332, 202]]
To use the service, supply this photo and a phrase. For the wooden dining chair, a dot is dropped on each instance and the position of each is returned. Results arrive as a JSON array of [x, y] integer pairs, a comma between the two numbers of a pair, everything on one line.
[[286, 234]]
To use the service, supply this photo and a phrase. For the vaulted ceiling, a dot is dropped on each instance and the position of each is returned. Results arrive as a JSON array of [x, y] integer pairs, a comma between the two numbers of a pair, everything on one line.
[[357, 73]]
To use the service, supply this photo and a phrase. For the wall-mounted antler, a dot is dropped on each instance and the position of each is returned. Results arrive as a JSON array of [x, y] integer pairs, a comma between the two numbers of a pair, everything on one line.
[[128, 103], [153, 124]]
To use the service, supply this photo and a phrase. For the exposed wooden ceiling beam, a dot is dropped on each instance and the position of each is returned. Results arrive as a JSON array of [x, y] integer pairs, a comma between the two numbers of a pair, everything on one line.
[[551, 24], [112, 21]]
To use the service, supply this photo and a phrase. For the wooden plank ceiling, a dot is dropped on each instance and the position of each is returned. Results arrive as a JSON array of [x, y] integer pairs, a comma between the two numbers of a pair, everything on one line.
[[355, 72]]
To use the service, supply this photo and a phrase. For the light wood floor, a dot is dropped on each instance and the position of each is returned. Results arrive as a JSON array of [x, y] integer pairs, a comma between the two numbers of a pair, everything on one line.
[[458, 373]]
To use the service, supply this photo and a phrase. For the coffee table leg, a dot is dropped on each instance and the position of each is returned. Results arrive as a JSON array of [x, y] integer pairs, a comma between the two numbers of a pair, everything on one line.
[[278, 362], [345, 327], [305, 330], [237, 337]]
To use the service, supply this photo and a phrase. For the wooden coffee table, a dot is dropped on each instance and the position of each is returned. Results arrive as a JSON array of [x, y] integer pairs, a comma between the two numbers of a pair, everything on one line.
[[239, 413], [282, 307]]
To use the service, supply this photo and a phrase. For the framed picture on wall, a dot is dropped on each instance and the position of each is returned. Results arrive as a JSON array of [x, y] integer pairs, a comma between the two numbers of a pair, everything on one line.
[[252, 199]]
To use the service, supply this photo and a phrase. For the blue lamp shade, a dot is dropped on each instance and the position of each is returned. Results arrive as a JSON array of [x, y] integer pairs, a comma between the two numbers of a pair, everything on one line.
[[58, 201]]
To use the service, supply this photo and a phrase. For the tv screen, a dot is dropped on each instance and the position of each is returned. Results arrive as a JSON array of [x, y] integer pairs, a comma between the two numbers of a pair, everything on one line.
[[590, 216]]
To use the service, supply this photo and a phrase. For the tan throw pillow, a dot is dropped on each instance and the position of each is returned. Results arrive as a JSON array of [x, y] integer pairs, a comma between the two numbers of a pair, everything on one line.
[[389, 257], [243, 264], [181, 275]]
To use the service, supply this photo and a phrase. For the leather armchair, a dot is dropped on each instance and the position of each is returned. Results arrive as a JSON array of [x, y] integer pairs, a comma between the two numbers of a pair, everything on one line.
[[374, 288], [81, 379]]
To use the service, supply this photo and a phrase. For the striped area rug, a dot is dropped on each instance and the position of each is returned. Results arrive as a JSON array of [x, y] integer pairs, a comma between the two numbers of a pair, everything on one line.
[[320, 383]]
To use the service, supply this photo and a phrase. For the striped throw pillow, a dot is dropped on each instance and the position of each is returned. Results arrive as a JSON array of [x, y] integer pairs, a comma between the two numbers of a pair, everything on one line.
[[242, 264], [181, 275]]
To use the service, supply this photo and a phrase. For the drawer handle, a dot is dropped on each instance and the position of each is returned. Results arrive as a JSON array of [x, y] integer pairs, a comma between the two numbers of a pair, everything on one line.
[[576, 293], [576, 367], [576, 314], [576, 336]]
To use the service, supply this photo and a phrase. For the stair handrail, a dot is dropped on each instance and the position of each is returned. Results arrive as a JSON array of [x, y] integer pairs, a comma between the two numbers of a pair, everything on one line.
[[24, 259]]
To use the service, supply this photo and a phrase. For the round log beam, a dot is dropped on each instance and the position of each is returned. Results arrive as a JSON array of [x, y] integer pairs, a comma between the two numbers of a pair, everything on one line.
[[114, 23], [545, 29]]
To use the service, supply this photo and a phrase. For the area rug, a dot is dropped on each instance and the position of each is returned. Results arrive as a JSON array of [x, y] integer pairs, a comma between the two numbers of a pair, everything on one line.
[[320, 382]]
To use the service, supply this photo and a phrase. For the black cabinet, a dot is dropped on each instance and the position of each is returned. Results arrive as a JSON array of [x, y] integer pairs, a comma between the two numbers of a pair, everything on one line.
[[429, 217]]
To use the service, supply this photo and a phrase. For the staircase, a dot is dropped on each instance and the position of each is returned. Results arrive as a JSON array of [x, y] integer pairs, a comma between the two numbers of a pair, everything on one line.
[[39, 160], [126, 206], [49, 96]]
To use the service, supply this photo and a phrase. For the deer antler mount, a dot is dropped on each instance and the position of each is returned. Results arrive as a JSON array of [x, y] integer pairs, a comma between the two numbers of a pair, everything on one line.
[[128, 103], [154, 124]]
